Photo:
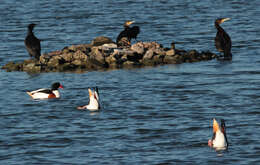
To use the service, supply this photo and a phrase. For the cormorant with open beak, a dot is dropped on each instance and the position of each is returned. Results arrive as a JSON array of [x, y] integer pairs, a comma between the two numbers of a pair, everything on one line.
[[124, 38], [222, 40]]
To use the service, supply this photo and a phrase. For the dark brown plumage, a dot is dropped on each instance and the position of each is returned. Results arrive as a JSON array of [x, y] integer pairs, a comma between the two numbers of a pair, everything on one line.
[[134, 31], [32, 43], [222, 40], [128, 32]]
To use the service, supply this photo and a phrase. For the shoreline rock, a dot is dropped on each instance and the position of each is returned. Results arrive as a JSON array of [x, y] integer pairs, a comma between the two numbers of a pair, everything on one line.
[[103, 53]]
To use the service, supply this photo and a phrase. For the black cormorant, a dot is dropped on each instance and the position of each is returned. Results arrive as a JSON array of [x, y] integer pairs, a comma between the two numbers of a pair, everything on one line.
[[222, 40], [32, 43], [129, 32]]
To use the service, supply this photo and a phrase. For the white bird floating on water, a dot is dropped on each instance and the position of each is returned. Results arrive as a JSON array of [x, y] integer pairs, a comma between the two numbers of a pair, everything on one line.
[[219, 139], [45, 93], [94, 104]]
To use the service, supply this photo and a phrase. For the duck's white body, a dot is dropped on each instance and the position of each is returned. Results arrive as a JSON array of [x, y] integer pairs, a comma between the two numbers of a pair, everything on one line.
[[45, 93], [219, 139], [94, 104], [38, 94]]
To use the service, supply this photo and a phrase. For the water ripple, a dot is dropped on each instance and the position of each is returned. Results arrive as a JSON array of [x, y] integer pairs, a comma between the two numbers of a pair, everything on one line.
[[153, 115]]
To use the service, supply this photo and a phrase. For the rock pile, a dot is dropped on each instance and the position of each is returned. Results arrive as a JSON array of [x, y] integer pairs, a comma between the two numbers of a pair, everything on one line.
[[103, 53]]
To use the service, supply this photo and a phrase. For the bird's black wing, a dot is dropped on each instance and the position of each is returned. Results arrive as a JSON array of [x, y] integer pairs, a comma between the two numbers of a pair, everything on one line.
[[219, 42], [223, 42], [47, 91], [33, 46], [134, 31], [228, 45], [122, 34]]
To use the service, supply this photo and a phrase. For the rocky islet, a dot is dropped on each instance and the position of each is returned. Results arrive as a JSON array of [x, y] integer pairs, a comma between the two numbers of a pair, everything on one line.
[[103, 53]]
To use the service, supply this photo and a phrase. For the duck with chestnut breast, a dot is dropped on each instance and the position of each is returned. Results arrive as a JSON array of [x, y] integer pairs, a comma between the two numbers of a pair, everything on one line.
[[45, 93]]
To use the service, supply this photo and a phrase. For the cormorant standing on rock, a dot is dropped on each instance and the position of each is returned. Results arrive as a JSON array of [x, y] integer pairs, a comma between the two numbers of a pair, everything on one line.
[[127, 34], [32, 43], [222, 39]]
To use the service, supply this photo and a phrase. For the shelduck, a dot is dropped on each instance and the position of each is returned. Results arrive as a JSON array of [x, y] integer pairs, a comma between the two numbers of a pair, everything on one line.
[[219, 139], [94, 103], [45, 93]]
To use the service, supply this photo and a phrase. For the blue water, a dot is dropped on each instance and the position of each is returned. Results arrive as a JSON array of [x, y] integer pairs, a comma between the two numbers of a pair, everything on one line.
[[154, 115]]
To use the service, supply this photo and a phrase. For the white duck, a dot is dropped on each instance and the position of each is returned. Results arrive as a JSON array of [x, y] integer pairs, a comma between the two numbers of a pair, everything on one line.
[[45, 93], [94, 104], [219, 139]]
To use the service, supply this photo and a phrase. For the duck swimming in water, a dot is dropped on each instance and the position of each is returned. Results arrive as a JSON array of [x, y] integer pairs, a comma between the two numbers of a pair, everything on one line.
[[219, 139], [94, 104], [45, 93]]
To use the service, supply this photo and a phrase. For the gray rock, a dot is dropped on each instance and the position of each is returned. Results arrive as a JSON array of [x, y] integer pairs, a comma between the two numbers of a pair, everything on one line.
[[66, 67], [133, 56], [97, 55], [111, 59], [12, 66], [55, 61], [193, 53], [107, 49], [103, 53], [130, 64], [125, 54], [55, 53], [176, 59], [68, 57], [101, 41], [86, 48], [31, 67], [124, 57], [117, 53], [151, 45], [79, 55], [108, 46], [159, 51], [72, 48], [148, 55], [43, 59], [138, 48], [158, 59], [171, 60], [77, 62], [124, 43], [65, 50], [170, 52]]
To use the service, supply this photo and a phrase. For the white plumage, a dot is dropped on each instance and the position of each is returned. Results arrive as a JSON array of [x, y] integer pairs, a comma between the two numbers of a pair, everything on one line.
[[45, 93], [94, 104], [219, 139]]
